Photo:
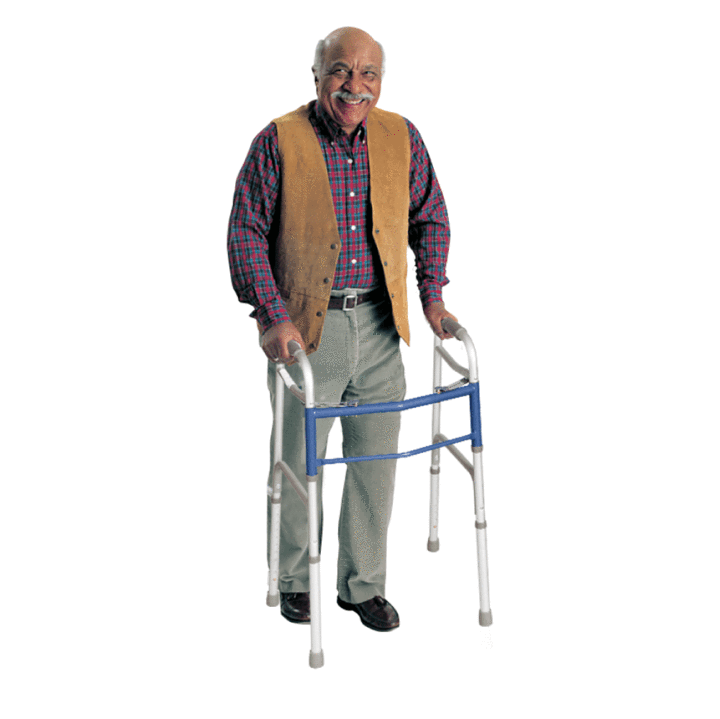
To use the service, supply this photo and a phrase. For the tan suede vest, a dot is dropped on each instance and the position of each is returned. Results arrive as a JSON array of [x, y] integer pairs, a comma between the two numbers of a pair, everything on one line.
[[307, 246]]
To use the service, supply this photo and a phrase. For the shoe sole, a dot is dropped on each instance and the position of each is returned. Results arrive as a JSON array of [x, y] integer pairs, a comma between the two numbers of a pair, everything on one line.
[[295, 621], [353, 608]]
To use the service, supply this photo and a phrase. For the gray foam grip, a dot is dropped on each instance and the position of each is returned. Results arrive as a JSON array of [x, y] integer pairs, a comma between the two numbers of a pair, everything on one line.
[[451, 326]]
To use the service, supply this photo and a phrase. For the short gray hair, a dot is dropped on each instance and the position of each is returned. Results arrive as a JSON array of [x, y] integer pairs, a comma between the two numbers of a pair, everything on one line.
[[320, 52]]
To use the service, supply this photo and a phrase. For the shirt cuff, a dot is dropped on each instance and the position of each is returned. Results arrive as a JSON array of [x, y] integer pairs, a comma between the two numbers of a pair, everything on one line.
[[430, 292], [271, 314]]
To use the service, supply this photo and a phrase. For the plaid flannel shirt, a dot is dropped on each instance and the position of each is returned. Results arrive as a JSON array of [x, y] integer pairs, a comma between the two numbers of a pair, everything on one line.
[[346, 159]]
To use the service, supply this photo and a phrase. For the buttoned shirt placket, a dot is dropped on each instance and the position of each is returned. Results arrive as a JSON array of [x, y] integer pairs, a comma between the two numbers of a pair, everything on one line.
[[346, 159]]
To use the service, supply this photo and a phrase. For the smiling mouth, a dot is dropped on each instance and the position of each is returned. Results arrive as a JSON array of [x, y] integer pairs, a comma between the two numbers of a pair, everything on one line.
[[351, 99]]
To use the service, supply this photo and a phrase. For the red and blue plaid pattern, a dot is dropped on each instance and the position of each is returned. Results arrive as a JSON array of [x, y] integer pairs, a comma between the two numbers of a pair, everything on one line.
[[255, 206]]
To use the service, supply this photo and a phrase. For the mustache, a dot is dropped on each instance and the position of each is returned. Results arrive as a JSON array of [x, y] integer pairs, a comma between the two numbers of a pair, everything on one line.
[[352, 97]]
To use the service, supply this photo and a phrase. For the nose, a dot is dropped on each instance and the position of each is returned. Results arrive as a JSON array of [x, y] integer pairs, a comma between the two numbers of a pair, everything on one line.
[[354, 83]]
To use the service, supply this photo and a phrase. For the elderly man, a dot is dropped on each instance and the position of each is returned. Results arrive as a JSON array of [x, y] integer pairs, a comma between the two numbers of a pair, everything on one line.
[[326, 203]]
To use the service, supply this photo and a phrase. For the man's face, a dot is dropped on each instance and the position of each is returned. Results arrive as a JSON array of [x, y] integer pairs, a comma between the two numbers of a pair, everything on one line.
[[351, 69]]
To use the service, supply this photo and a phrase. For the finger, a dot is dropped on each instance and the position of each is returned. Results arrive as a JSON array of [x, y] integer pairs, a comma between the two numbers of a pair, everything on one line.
[[271, 352]]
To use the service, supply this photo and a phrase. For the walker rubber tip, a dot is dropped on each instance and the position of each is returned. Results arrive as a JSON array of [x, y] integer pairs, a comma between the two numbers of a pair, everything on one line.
[[433, 545], [272, 600], [317, 660], [485, 618]]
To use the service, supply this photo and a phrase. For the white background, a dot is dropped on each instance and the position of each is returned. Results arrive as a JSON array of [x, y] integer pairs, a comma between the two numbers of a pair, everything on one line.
[[578, 149]]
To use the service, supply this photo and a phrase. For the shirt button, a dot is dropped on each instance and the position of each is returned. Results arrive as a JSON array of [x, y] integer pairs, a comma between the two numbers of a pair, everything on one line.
[[353, 261], [352, 194], [349, 162], [352, 227]]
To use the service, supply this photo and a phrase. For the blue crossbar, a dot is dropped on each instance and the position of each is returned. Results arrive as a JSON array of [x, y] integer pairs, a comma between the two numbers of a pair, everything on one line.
[[471, 390]]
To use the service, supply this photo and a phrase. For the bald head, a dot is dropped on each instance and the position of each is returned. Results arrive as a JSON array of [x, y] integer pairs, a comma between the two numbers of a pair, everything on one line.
[[344, 34]]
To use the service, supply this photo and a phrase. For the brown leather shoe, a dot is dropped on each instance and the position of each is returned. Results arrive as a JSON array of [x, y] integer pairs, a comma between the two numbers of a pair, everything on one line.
[[295, 606], [377, 613]]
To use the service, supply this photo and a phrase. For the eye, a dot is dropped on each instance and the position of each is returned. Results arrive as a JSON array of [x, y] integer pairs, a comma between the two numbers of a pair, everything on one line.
[[340, 72], [369, 74]]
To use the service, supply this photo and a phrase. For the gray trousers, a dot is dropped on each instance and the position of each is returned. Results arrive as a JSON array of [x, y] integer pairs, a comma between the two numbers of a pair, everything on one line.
[[358, 360]]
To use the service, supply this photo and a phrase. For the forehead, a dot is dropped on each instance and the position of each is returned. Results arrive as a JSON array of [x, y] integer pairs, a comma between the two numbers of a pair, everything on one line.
[[353, 51]]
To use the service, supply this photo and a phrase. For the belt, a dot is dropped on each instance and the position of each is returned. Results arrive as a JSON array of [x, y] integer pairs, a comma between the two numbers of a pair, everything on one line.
[[350, 302]]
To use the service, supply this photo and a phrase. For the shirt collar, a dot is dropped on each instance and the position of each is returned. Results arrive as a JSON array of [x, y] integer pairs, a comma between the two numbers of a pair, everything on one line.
[[329, 127]]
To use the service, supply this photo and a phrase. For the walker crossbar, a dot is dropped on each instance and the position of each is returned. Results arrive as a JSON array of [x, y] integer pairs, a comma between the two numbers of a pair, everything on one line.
[[312, 462], [400, 455], [311, 414]]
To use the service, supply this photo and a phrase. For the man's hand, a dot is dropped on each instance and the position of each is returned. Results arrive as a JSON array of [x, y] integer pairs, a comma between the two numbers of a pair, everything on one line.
[[275, 342], [435, 314]]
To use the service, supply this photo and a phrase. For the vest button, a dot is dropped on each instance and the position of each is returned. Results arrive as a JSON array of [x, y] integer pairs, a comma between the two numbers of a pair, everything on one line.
[[333, 246], [385, 263], [326, 280], [319, 314]]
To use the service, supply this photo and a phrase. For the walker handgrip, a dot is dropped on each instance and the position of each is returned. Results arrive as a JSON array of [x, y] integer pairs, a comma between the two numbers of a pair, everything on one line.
[[293, 347], [451, 326]]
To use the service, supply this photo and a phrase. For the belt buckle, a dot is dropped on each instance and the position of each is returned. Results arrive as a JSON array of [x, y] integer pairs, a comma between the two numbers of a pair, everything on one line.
[[345, 302]]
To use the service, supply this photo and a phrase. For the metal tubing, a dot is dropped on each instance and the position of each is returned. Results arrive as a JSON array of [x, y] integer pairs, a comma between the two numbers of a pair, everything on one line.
[[455, 453], [308, 380], [311, 458], [314, 551], [294, 481], [380, 407], [461, 333], [481, 537], [433, 540], [437, 381], [290, 383], [272, 595], [400, 455], [433, 544], [464, 371], [475, 422]]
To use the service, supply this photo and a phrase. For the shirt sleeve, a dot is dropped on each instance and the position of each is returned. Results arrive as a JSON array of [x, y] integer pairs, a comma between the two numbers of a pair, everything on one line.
[[251, 221], [429, 227]]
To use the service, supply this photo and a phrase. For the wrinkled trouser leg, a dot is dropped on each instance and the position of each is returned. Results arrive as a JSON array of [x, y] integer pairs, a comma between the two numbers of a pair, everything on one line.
[[358, 360]]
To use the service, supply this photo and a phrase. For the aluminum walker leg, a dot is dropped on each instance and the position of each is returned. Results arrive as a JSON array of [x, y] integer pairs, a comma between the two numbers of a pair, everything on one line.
[[433, 544], [481, 534], [273, 595], [317, 658]]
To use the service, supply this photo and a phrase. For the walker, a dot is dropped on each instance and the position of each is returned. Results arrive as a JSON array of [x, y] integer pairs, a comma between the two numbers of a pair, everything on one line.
[[467, 386]]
